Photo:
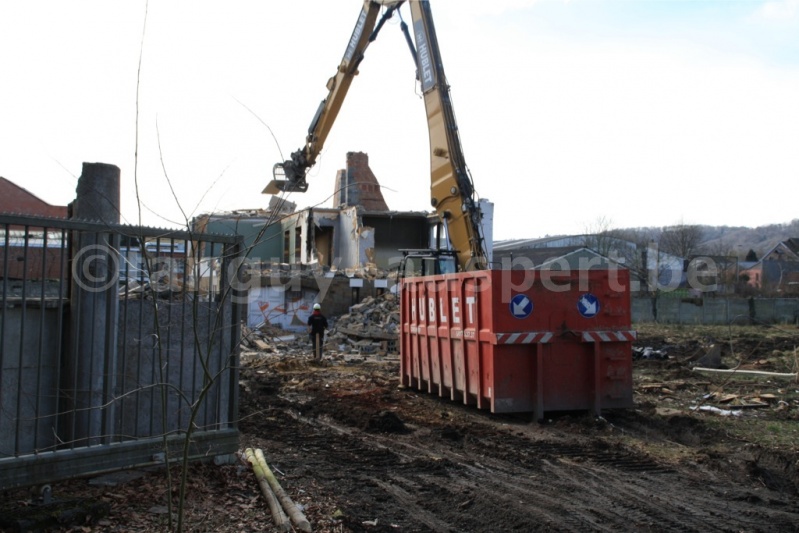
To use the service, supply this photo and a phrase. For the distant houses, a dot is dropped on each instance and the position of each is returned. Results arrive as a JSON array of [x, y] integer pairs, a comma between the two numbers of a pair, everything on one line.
[[777, 272], [648, 266]]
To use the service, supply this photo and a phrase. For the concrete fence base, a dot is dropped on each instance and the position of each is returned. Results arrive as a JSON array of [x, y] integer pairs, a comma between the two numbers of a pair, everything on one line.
[[671, 310]]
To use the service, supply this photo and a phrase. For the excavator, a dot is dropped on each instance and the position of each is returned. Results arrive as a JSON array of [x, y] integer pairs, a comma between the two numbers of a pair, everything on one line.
[[452, 192], [509, 340]]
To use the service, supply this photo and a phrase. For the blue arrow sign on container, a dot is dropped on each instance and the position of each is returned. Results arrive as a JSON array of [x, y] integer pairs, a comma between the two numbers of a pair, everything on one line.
[[588, 305], [521, 306]]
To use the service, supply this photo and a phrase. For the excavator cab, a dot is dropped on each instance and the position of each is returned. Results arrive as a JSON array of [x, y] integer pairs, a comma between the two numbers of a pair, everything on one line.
[[427, 263]]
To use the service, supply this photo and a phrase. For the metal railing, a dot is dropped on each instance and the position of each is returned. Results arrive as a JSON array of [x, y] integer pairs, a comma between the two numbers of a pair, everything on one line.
[[110, 359]]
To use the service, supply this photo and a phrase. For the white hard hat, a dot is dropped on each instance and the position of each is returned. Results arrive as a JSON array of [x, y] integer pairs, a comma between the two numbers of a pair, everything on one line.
[[316, 306]]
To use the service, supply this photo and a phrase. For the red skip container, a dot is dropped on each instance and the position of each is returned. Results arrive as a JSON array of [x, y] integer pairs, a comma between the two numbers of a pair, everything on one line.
[[520, 340]]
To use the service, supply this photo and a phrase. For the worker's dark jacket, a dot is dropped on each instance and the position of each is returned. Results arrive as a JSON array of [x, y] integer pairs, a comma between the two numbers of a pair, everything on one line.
[[318, 323]]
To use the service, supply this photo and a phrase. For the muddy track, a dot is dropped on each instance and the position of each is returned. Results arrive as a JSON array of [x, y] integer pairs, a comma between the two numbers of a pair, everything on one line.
[[413, 462], [360, 455]]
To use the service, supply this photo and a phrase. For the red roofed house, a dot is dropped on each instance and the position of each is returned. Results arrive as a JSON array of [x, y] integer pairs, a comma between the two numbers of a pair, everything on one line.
[[26, 259], [14, 199]]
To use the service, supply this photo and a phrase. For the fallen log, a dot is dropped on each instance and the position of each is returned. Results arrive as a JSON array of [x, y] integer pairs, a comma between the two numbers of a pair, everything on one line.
[[291, 508], [746, 372], [279, 517]]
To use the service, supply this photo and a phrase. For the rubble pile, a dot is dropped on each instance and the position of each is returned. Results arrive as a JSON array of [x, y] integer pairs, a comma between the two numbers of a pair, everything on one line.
[[265, 342], [370, 326], [647, 352], [265, 338], [375, 318]]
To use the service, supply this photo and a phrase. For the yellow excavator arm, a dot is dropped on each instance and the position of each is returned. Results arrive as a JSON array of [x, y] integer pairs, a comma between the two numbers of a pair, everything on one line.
[[290, 175], [452, 190]]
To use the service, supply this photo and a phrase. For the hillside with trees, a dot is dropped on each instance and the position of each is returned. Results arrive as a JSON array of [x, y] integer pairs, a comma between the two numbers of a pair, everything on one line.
[[685, 240], [740, 240]]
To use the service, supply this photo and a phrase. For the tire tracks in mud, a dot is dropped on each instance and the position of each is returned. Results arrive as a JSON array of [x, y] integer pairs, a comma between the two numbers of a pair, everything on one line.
[[485, 479]]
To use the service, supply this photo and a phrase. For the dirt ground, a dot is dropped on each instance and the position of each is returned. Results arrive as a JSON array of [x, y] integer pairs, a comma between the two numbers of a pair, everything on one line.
[[699, 452]]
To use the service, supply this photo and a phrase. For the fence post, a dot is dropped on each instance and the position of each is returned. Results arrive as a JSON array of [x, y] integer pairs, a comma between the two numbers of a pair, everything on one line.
[[88, 382]]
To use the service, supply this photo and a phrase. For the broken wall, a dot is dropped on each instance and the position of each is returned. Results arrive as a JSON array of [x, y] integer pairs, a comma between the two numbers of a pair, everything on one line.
[[280, 306], [487, 223], [320, 229], [262, 238], [352, 240], [393, 233]]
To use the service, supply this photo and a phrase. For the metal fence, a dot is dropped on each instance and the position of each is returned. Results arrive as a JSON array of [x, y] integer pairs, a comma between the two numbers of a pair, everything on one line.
[[715, 310], [110, 359]]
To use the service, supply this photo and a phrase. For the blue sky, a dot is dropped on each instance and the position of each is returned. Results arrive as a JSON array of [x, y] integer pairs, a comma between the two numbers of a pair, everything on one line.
[[642, 113]]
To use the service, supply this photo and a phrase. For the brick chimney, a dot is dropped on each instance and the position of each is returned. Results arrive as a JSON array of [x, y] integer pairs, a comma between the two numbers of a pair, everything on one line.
[[357, 185]]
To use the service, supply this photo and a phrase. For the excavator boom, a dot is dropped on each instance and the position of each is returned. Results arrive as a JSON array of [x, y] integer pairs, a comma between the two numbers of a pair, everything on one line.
[[289, 175], [451, 187]]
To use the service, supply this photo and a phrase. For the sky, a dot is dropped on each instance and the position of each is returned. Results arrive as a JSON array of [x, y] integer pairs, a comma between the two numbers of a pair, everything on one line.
[[627, 113]]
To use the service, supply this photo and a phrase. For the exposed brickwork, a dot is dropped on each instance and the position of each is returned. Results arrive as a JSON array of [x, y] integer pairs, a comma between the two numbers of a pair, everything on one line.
[[29, 259], [357, 185], [15, 199], [33, 263]]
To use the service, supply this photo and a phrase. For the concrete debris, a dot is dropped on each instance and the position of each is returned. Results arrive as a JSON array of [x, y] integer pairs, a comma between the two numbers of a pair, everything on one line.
[[163, 287], [648, 352], [266, 339], [370, 330], [310, 275], [716, 410], [374, 322]]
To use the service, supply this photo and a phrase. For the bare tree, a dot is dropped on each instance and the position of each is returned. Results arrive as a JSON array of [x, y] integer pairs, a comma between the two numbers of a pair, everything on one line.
[[682, 240], [636, 255], [601, 237], [721, 247], [725, 257]]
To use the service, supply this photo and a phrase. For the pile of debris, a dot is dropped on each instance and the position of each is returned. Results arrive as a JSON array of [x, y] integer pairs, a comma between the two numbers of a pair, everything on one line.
[[267, 339], [371, 326], [647, 352]]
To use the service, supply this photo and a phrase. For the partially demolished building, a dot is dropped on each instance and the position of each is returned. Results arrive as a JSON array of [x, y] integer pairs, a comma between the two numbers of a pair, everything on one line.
[[337, 255], [359, 235]]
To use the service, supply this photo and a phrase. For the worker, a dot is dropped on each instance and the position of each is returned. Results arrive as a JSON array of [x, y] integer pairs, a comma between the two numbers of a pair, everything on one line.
[[317, 324]]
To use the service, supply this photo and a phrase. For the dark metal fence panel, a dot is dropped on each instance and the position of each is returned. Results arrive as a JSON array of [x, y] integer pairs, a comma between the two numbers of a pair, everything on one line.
[[715, 310], [116, 342], [33, 289], [162, 374]]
